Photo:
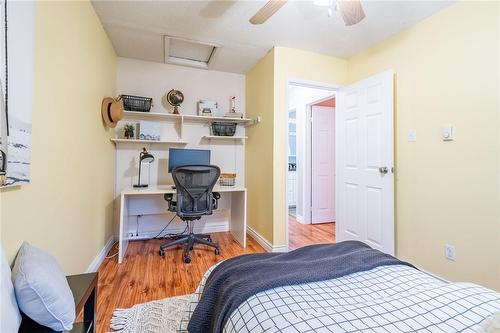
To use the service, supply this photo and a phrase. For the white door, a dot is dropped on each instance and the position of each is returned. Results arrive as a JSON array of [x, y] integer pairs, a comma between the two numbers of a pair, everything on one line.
[[323, 164], [364, 162]]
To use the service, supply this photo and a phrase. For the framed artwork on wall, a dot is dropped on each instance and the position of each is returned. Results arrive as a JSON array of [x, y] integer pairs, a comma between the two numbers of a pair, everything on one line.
[[17, 23]]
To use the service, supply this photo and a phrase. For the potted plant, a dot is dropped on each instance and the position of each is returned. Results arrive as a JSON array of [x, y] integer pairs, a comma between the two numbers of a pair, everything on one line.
[[129, 131]]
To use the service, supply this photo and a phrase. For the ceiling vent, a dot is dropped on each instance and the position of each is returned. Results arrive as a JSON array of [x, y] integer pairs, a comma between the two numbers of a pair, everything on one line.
[[191, 53]]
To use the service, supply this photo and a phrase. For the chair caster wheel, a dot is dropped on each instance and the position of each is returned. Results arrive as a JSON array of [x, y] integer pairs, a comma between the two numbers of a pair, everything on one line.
[[187, 260], [217, 251], [162, 253]]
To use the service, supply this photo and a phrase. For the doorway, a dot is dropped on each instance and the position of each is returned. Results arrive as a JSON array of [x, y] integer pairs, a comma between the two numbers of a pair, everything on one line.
[[363, 166], [311, 164]]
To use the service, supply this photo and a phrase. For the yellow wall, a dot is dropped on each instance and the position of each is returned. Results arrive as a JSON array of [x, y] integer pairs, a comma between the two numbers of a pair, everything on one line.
[[259, 146], [266, 86], [447, 72], [67, 207]]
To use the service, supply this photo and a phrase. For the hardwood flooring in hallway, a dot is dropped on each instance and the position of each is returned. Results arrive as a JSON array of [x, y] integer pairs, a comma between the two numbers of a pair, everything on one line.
[[307, 234]]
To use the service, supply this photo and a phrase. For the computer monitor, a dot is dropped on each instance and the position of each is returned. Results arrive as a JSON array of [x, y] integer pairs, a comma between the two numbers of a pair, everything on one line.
[[179, 157]]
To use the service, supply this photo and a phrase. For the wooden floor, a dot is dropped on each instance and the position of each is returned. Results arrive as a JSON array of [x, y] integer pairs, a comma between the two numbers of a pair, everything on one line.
[[145, 276], [307, 234]]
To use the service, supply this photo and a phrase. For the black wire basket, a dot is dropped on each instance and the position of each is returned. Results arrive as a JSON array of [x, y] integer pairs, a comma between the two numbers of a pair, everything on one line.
[[137, 103], [220, 128]]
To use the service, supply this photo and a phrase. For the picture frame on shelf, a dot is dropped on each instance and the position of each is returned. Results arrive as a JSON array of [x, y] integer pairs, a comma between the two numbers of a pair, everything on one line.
[[149, 130], [207, 108]]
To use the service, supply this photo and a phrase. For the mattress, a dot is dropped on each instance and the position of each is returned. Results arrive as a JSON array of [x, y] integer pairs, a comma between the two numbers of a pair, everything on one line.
[[385, 299]]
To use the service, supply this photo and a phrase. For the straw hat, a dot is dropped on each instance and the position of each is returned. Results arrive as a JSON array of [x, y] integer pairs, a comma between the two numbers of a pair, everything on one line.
[[112, 111]]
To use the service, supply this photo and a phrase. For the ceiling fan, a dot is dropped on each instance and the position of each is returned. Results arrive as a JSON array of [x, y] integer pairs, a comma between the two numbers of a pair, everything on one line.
[[351, 10]]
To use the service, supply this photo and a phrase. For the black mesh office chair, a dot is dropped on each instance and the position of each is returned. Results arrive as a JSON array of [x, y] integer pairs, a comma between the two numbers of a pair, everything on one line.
[[194, 184]]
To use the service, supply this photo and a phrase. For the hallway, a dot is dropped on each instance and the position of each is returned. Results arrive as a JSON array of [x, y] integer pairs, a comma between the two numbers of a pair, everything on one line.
[[307, 234]]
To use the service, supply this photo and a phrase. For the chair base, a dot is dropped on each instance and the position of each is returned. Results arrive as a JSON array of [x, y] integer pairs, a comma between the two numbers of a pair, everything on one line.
[[190, 240]]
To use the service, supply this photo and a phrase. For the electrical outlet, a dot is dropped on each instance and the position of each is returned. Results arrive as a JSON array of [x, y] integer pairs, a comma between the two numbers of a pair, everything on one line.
[[449, 252], [412, 135]]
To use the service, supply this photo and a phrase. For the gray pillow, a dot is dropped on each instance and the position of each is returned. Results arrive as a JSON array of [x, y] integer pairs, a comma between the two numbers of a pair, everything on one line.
[[10, 318], [42, 290]]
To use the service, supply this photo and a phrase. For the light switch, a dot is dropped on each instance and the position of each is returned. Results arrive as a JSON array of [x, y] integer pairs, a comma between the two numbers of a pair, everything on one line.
[[412, 135], [447, 133]]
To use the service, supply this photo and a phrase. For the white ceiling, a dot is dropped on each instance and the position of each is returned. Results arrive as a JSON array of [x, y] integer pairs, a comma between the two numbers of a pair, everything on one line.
[[136, 28]]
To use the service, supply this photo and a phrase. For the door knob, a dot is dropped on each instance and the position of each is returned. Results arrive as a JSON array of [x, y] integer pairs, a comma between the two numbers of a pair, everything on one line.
[[383, 170]]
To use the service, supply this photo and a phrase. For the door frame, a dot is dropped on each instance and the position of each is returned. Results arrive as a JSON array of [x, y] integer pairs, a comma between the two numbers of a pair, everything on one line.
[[308, 84]]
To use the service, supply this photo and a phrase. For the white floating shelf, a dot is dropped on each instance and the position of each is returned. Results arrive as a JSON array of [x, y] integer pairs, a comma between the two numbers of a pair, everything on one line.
[[151, 115], [211, 119], [179, 117], [179, 142], [220, 137]]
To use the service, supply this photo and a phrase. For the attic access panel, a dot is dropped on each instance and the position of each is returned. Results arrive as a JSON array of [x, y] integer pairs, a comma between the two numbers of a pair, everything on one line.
[[191, 53]]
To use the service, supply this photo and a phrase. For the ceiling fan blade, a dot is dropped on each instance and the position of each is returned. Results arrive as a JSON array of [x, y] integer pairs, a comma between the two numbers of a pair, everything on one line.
[[352, 11], [267, 11]]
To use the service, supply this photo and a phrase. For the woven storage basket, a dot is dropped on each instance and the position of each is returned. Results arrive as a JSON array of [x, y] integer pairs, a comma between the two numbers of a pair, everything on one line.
[[227, 179], [137, 103]]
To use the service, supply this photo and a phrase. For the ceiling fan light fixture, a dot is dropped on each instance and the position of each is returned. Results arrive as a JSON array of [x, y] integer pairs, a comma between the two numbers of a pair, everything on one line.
[[352, 11]]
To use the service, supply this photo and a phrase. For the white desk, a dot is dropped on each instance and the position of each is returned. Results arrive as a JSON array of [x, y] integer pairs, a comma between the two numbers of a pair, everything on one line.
[[237, 222]]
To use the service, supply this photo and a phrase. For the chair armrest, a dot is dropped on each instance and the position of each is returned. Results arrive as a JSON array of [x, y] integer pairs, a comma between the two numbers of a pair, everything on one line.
[[215, 200], [172, 205]]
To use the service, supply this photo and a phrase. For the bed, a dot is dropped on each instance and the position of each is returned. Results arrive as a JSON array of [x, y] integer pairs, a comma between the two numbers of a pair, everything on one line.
[[387, 298]]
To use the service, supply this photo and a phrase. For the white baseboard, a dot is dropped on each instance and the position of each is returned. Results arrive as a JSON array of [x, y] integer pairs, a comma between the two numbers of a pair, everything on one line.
[[265, 243], [94, 265], [199, 229], [300, 219], [261, 240], [280, 248]]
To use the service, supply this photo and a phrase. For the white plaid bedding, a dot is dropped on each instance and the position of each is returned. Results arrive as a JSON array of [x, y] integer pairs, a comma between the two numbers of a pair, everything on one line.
[[385, 299]]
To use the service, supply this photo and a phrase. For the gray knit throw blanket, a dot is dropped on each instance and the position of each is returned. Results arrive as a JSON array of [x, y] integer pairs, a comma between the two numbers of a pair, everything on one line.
[[162, 316]]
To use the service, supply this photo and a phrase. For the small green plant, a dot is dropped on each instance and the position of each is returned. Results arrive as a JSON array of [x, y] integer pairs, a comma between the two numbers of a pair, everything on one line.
[[129, 131]]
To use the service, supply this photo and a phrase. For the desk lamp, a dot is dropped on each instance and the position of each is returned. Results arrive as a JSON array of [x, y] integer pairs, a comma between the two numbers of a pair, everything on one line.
[[144, 156]]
